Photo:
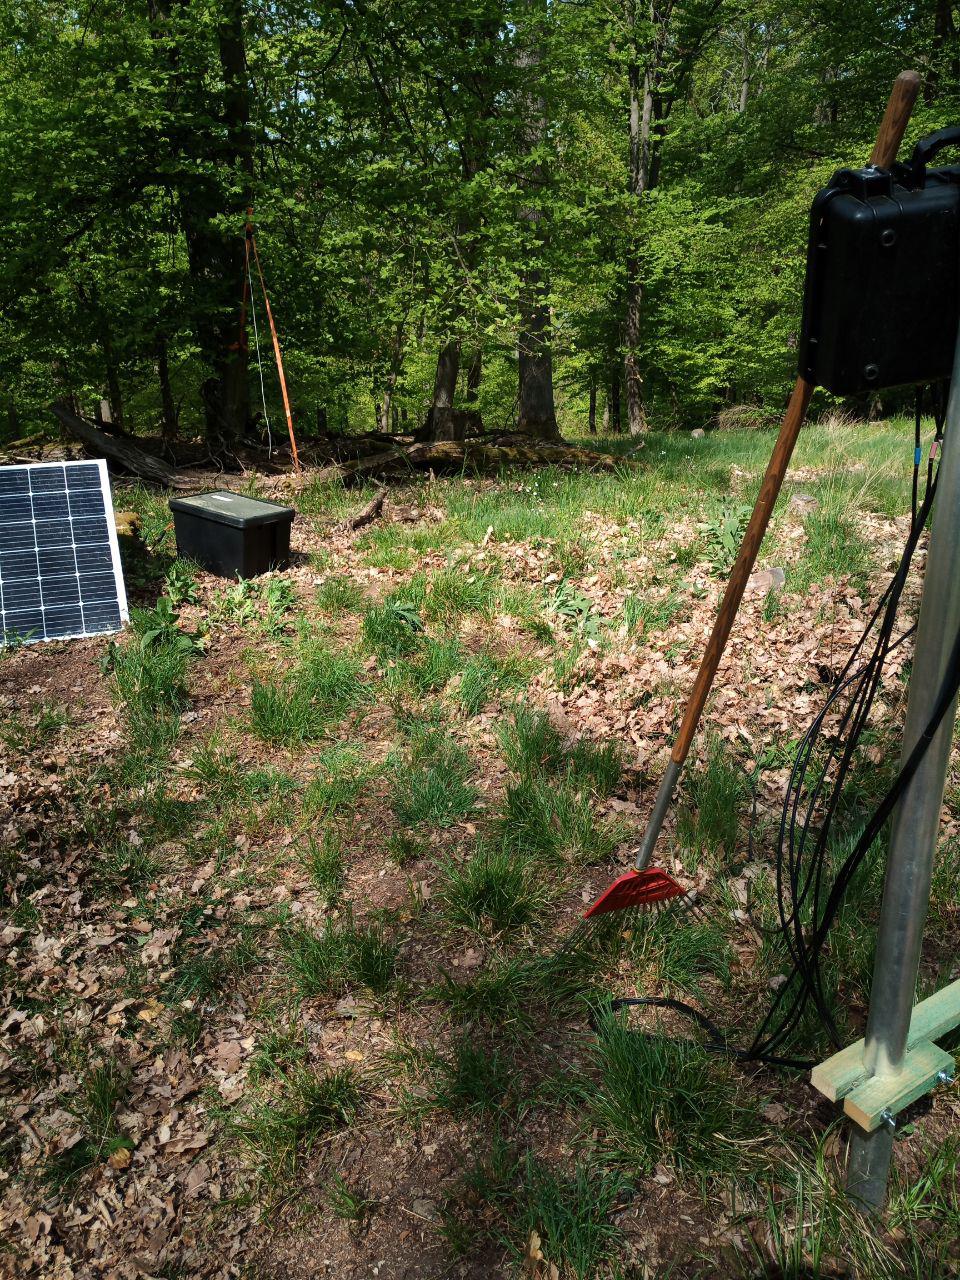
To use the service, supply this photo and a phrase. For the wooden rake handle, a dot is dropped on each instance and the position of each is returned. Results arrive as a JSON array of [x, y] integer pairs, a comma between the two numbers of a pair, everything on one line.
[[890, 135]]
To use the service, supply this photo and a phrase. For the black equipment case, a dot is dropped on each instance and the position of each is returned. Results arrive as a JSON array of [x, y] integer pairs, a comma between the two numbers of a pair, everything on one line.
[[232, 535], [882, 295]]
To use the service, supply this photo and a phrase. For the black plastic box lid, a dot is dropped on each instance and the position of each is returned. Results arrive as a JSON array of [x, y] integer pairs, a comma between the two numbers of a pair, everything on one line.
[[233, 509]]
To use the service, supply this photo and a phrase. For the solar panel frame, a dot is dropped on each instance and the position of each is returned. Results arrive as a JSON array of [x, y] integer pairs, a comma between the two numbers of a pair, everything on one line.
[[60, 572]]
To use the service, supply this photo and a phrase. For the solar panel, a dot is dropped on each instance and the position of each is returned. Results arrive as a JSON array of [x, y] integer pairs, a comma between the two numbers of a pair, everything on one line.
[[60, 573]]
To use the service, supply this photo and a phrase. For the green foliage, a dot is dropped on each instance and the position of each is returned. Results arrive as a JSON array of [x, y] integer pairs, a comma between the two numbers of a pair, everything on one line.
[[530, 741], [348, 1203], [101, 1092], [325, 861], [553, 819], [25, 734], [473, 1080], [571, 1213], [149, 674], [484, 676], [724, 534], [283, 1128], [710, 819], [339, 594], [180, 583], [392, 630]]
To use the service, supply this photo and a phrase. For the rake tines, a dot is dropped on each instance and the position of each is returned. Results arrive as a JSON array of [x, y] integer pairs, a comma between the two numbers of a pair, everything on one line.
[[631, 894], [637, 889]]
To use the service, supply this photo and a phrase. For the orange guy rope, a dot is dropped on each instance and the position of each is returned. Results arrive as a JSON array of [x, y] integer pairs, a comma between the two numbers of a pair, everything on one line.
[[276, 352]]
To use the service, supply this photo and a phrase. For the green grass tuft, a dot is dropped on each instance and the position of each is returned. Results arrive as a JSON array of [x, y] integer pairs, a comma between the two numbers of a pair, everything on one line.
[[101, 1094], [393, 629], [552, 819], [473, 1080], [484, 676], [342, 955], [530, 741], [431, 786], [278, 1131], [571, 1215], [325, 861], [493, 890], [301, 706], [662, 1100], [340, 594], [709, 822]]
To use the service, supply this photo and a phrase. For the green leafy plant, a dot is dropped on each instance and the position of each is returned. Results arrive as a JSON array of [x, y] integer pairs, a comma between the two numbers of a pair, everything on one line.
[[180, 583], [393, 629], [723, 534], [238, 603], [279, 598], [573, 606]]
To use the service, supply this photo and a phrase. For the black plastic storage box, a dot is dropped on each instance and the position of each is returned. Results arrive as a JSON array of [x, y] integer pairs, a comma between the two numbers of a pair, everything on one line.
[[232, 535], [882, 297]]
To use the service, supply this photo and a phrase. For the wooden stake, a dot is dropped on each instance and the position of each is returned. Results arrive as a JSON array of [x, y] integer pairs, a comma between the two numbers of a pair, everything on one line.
[[277, 354]]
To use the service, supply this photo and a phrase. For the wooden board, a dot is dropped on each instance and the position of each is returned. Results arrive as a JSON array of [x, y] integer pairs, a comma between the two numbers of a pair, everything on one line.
[[931, 1019], [867, 1103]]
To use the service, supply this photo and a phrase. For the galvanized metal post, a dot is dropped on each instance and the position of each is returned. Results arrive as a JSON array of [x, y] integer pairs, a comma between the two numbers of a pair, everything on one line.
[[916, 820]]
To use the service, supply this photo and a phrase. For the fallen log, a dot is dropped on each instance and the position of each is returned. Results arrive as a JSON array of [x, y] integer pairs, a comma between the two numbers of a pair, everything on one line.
[[369, 513], [121, 450], [446, 456]]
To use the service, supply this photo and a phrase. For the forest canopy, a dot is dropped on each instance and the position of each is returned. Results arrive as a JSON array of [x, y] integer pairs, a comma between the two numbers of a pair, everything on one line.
[[529, 214]]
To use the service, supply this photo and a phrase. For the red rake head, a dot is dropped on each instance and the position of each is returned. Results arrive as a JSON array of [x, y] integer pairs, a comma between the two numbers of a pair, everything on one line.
[[637, 889]]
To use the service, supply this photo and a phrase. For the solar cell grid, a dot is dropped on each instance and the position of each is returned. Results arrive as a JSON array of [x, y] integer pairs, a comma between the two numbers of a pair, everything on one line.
[[59, 560]]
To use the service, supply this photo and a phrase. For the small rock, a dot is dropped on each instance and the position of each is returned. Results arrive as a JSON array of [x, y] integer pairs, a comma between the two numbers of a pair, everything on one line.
[[697, 433], [128, 524], [805, 503], [766, 580], [425, 1209]]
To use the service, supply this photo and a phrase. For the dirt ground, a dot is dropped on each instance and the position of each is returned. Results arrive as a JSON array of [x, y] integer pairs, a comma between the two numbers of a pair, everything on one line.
[[154, 935]]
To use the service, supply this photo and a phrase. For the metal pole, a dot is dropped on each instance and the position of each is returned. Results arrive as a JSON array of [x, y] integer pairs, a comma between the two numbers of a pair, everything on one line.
[[916, 820]]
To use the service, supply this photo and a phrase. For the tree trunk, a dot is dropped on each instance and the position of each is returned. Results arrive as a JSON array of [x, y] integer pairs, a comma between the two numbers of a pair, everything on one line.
[[215, 172], [640, 86], [385, 408], [120, 449], [441, 421], [169, 416], [592, 411], [537, 415], [114, 391], [612, 418], [474, 376]]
